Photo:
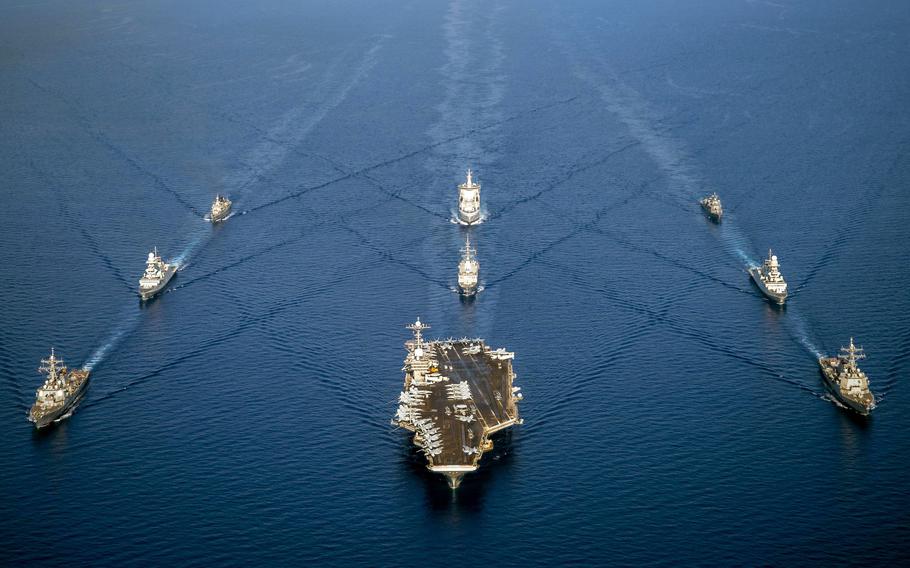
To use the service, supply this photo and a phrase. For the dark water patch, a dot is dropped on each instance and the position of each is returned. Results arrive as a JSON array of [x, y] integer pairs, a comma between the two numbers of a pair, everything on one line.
[[102, 139], [72, 220]]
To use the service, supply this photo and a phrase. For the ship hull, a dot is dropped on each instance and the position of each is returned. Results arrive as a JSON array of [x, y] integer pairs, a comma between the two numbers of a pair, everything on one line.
[[713, 215], [220, 216], [468, 218], [775, 297], [71, 401], [148, 294], [828, 368], [468, 291]]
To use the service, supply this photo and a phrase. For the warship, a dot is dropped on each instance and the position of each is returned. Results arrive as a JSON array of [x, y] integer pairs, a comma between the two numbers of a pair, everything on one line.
[[469, 201], [712, 205], [457, 393], [221, 208], [769, 279], [60, 392], [846, 380], [157, 274], [468, 270]]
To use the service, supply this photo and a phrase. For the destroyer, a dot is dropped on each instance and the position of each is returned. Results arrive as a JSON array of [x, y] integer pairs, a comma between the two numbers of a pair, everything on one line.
[[60, 392], [769, 279], [469, 201], [712, 205], [457, 392], [846, 380], [157, 274], [221, 208], [468, 270]]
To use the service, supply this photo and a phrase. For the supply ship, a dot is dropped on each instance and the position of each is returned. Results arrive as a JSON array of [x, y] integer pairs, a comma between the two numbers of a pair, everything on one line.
[[457, 392], [468, 270], [469, 201], [712, 205], [846, 380], [60, 392], [221, 208], [157, 274], [769, 279]]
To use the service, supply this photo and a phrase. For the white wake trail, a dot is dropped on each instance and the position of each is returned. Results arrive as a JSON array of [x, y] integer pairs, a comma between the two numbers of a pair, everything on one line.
[[127, 325]]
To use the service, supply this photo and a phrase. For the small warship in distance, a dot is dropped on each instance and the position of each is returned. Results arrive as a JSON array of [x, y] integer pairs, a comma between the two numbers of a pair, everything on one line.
[[59, 393], [221, 208], [457, 392], [846, 380], [468, 270], [712, 205], [769, 279], [469, 201], [157, 274]]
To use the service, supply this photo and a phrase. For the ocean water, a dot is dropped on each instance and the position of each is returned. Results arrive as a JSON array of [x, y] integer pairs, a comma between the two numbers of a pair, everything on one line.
[[672, 416]]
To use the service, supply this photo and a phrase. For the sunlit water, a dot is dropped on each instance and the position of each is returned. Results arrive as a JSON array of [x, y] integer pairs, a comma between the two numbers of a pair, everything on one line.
[[672, 415]]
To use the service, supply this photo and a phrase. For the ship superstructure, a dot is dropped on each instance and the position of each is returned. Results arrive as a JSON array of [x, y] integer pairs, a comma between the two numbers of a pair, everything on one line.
[[156, 276], [769, 279], [60, 392], [457, 392], [469, 201], [221, 208], [468, 270], [846, 380], [712, 205]]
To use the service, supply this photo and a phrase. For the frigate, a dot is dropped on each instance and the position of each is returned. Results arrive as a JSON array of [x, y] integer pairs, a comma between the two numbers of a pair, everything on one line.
[[221, 208], [769, 279], [469, 201], [60, 392], [468, 270], [712, 205], [846, 381], [156, 276], [457, 393]]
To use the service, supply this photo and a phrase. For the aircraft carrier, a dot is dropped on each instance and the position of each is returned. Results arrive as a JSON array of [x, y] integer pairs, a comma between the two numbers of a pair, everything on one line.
[[457, 392]]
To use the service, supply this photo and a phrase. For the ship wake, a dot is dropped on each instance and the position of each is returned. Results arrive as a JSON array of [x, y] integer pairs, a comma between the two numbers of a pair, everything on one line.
[[127, 326]]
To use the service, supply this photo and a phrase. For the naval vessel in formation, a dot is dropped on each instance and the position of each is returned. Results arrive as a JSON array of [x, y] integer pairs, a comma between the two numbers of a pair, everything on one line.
[[156, 276], [469, 201], [221, 208], [457, 392], [769, 279], [468, 270], [60, 392], [846, 380], [712, 205]]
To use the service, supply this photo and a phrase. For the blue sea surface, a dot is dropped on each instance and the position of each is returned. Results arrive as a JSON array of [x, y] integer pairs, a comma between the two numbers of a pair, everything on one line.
[[672, 416]]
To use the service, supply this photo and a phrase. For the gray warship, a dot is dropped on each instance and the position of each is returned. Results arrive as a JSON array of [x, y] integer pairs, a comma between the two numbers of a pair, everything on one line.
[[221, 208], [156, 276], [846, 380], [469, 201], [468, 270], [769, 279], [60, 392], [712, 205], [457, 392]]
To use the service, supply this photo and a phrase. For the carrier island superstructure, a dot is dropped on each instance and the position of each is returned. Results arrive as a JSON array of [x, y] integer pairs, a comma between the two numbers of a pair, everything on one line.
[[457, 393]]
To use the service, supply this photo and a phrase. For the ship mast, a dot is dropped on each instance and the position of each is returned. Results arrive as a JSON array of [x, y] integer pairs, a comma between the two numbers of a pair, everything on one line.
[[52, 366], [852, 354], [467, 250], [418, 327]]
